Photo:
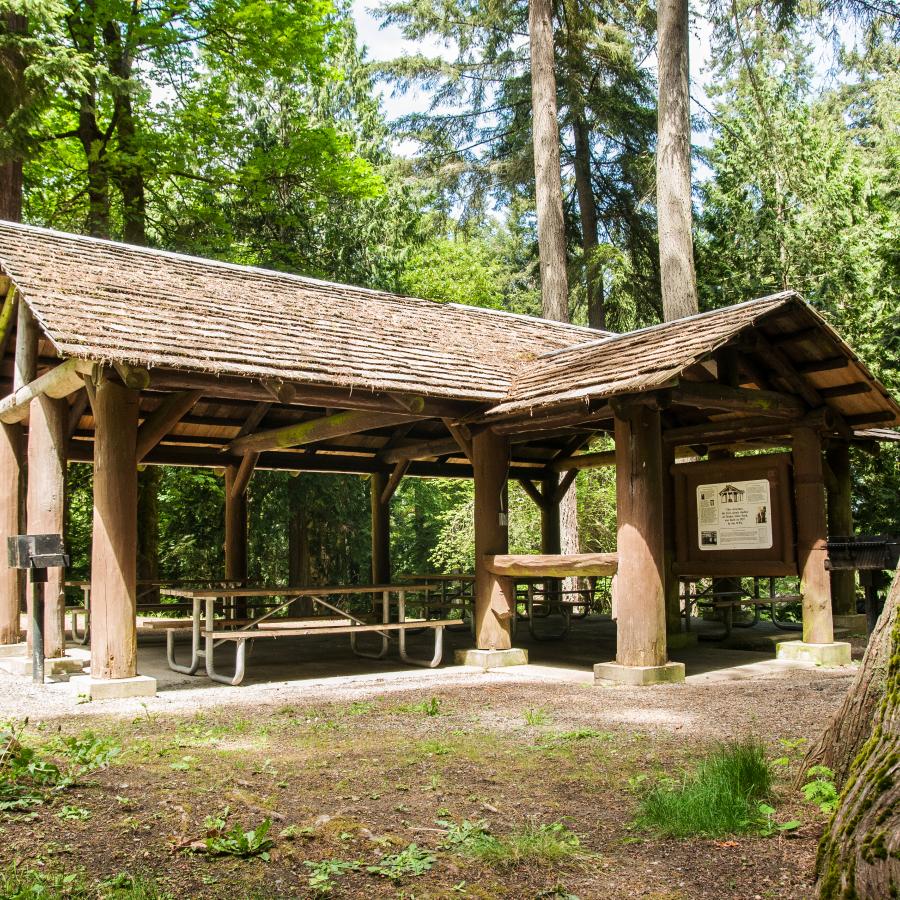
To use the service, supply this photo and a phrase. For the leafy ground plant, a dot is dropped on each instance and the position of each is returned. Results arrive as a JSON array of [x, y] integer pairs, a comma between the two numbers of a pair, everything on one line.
[[547, 843], [411, 861], [240, 843], [324, 874], [720, 797], [820, 789]]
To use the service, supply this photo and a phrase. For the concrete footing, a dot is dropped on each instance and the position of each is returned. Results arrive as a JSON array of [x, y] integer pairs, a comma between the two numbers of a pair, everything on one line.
[[491, 659], [834, 654], [677, 640], [113, 688], [13, 650], [857, 623], [74, 661], [670, 673]]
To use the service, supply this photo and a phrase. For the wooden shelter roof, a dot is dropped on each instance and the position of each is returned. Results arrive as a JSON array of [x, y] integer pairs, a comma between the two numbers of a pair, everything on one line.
[[108, 301], [661, 355]]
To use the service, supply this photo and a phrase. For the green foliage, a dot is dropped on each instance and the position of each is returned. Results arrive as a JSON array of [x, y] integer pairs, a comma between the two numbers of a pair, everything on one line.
[[409, 862], [820, 789], [240, 843], [324, 873], [719, 798], [546, 843], [20, 883], [537, 716]]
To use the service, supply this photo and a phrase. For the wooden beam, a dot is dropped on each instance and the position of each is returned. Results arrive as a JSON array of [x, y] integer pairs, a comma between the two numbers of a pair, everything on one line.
[[235, 528], [547, 421], [400, 469], [256, 416], [59, 382], [135, 377], [564, 485], [531, 489], [845, 390], [419, 450], [552, 565], [337, 425], [870, 418], [711, 396], [161, 421], [318, 396], [585, 461], [461, 435], [793, 336], [822, 365], [7, 314], [243, 475], [727, 429], [381, 529], [282, 391], [77, 410], [785, 370]]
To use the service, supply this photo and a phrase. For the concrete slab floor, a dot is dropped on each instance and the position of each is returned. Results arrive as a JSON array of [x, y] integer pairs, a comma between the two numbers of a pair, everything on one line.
[[278, 670]]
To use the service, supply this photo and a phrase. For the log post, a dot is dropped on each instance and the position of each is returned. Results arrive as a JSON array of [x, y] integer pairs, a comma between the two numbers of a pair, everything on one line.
[[235, 528], [381, 530], [551, 539], [673, 599], [640, 587], [812, 533], [47, 440], [114, 553], [493, 606], [840, 523], [10, 521]]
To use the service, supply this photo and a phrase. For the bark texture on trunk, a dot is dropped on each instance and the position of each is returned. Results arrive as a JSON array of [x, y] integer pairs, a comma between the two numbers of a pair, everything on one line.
[[673, 163], [587, 209], [12, 76], [547, 178], [852, 723], [859, 855]]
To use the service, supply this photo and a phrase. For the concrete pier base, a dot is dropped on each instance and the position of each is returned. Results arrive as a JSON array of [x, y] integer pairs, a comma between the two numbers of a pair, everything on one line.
[[491, 659], [670, 673], [836, 653], [73, 662], [113, 688], [13, 650]]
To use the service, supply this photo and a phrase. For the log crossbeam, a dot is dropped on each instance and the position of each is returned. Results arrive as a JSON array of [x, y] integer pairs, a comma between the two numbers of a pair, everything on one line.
[[59, 382]]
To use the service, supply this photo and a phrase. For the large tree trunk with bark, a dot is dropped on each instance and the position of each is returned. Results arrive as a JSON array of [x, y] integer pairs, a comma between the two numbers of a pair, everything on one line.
[[851, 725], [547, 177], [859, 855], [673, 163], [549, 204], [12, 75], [587, 209]]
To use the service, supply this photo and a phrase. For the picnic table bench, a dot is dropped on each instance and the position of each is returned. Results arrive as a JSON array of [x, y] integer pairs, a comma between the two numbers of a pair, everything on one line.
[[208, 632]]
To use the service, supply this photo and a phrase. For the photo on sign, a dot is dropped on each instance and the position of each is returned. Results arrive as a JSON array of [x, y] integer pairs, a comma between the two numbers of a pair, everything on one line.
[[734, 515]]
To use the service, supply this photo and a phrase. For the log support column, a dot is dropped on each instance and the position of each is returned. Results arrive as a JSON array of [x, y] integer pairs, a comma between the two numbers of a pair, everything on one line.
[[494, 595], [47, 438], [114, 550], [639, 592], [818, 644], [381, 529], [236, 535], [11, 478], [840, 524]]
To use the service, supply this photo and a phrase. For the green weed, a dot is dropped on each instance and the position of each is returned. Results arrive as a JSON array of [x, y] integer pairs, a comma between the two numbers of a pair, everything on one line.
[[242, 844], [820, 789], [322, 875], [580, 734], [536, 717], [73, 814], [533, 843], [719, 798], [411, 861]]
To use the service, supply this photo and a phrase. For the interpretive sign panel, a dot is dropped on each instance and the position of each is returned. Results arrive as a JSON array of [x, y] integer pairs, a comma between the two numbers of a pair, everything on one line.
[[734, 515]]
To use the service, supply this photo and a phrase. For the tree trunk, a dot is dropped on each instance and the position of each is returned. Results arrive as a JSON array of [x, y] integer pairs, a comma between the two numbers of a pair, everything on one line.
[[673, 163], [859, 855], [12, 71], [587, 209], [851, 725], [547, 178]]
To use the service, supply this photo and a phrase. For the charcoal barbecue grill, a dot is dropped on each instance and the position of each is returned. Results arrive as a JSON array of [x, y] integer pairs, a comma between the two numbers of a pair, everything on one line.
[[870, 555]]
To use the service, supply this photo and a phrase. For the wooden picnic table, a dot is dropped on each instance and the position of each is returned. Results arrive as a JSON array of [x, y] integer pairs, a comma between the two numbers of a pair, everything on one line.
[[207, 632]]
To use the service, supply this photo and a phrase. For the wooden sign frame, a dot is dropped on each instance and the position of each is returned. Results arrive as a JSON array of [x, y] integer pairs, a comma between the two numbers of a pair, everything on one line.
[[779, 559]]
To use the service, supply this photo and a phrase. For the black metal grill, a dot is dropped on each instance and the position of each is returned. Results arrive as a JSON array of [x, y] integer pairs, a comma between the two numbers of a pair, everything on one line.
[[865, 552]]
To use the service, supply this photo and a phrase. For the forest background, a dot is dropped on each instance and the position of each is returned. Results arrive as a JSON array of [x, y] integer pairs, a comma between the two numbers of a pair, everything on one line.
[[254, 132]]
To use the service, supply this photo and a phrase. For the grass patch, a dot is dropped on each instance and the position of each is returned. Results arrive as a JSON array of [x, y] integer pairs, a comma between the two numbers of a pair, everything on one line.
[[20, 883], [533, 843], [720, 797]]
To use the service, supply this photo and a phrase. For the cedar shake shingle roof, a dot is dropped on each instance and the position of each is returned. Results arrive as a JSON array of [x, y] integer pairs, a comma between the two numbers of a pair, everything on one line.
[[113, 302]]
